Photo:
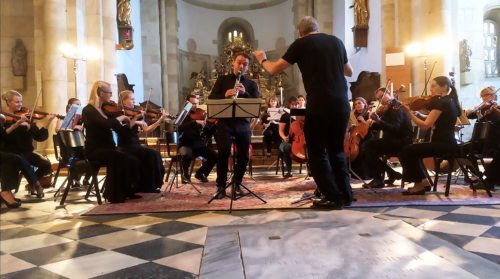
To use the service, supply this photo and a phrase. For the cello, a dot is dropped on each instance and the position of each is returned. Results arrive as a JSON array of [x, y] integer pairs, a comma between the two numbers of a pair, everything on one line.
[[298, 140]]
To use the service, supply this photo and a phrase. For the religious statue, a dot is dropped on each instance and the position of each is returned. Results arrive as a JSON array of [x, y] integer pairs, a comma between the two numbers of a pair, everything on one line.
[[465, 54], [124, 11], [19, 59], [361, 13]]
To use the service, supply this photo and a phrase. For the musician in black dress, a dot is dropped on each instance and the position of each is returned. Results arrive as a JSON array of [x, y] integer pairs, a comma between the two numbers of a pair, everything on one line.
[[322, 60], [192, 144], [271, 129], [491, 171], [151, 169], [100, 147], [19, 140], [284, 130], [10, 163], [444, 110], [397, 133], [227, 86]]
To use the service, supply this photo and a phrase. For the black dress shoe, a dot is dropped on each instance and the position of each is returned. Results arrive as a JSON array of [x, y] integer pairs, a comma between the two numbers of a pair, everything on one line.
[[15, 204], [201, 177], [221, 193], [375, 183], [393, 177], [327, 204], [185, 179], [287, 175], [238, 190], [412, 191]]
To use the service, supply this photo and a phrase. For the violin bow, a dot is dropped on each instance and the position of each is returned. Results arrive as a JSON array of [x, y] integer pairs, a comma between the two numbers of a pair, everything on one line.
[[34, 105], [424, 92], [389, 81]]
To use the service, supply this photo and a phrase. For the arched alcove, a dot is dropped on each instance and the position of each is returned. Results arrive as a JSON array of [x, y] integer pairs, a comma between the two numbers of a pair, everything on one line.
[[230, 25]]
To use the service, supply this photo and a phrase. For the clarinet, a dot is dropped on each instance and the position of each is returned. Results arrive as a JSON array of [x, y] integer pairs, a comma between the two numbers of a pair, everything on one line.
[[237, 81]]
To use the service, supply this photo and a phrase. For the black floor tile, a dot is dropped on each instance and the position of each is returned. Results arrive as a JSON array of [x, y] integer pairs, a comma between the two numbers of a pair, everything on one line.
[[107, 218], [471, 219], [57, 253], [157, 248], [32, 273], [175, 215], [88, 231], [493, 232], [442, 208], [459, 240], [169, 228], [17, 233], [147, 271], [489, 257]]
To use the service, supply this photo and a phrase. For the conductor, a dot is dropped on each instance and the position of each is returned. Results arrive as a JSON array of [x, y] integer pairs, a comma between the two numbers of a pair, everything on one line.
[[322, 60], [233, 130]]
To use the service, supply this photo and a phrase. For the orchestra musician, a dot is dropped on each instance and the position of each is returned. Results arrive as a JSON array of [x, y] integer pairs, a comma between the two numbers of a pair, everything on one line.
[[19, 140], [397, 132], [323, 62], [151, 170], [488, 97], [359, 116], [301, 101], [227, 86], [10, 163], [271, 127], [192, 144], [284, 130], [100, 146], [444, 109], [491, 170]]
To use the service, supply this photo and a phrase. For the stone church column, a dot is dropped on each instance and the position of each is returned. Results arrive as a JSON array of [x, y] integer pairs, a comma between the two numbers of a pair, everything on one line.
[[109, 29], [54, 72], [93, 34], [169, 54], [324, 14]]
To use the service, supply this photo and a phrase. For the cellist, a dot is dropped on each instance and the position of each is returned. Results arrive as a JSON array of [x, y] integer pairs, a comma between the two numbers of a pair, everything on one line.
[[284, 130], [397, 133], [358, 117]]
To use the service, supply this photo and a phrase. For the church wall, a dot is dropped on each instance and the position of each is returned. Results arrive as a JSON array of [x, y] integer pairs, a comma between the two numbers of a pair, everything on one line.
[[16, 22], [130, 61]]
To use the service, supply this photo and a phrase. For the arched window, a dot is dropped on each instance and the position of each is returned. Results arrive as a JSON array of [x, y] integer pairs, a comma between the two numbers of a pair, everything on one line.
[[232, 28], [490, 30]]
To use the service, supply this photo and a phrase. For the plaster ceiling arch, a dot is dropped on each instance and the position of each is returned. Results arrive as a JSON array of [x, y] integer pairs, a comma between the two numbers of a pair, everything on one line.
[[234, 5]]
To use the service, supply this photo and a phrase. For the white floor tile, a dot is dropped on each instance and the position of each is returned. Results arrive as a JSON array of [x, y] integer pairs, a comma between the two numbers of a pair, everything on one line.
[[210, 219], [31, 242], [10, 264], [16, 215], [478, 211], [188, 261], [484, 245], [454, 228], [415, 213], [118, 239], [197, 236], [136, 222], [61, 225], [93, 265]]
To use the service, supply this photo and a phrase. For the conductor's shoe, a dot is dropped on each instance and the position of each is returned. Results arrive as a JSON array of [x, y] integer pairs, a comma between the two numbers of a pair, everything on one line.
[[327, 204], [393, 177], [201, 177], [375, 183], [185, 179]]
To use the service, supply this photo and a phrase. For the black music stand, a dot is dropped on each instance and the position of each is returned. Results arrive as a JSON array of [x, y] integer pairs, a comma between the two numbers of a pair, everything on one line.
[[175, 177], [234, 108]]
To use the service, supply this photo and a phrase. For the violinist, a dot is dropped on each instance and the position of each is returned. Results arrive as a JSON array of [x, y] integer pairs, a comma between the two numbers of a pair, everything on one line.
[[151, 170], [284, 130], [233, 130], [397, 133], [444, 109], [100, 147], [358, 117], [191, 144], [271, 130], [78, 124], [19, 140], [301, 101], [491, 170], [488, 97]]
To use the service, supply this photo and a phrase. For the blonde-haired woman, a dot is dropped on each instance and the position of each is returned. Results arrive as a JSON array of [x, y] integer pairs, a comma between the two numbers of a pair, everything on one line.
[[100, 147], [19, 140], [151, 169]]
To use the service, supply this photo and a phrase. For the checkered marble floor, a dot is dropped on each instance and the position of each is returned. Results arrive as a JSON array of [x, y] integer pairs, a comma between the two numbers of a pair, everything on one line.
[[42, 240]]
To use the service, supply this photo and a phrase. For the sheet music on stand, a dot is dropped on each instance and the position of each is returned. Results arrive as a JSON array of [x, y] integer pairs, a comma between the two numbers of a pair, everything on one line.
[[73, 111], [275, 113], [234, 108]]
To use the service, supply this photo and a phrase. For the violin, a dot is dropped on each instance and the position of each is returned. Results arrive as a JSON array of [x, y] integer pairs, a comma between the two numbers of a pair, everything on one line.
[[34, 115], [112, 109], [422, 102], [9, 117], [200, 114], [484, 107]]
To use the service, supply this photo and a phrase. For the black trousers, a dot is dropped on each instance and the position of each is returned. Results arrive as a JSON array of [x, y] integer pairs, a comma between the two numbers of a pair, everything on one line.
[[325, 137], [376, 148], [151, 169], [121, 172], [241, 132], [271, 135], [492, 170], [189, 153], [411, 158]]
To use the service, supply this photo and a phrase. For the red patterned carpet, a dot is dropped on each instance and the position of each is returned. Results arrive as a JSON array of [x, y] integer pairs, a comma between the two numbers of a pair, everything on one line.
[[280, 193]]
